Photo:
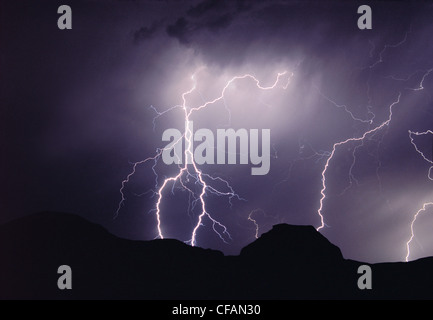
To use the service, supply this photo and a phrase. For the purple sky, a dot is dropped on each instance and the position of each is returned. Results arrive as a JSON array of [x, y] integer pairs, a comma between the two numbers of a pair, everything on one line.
[[76, 113]]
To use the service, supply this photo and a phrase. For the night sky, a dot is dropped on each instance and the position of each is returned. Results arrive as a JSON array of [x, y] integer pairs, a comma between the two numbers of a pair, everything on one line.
[[77, 110]]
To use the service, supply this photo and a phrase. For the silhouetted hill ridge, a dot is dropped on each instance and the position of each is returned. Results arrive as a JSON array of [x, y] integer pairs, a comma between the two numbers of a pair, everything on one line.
[[287, 262]]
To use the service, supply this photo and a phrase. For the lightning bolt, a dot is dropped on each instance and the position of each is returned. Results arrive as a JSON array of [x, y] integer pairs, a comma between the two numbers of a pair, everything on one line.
[[255, 214], [412, 233], [190, 168], [250, 217], [421, 83], [346, 109], [411, 133], [334, 148], [129, 176], [369, 133], [429, 174], [424, 207]]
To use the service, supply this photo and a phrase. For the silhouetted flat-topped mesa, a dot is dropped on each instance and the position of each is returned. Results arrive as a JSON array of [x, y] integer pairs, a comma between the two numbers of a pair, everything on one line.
[[303, 242], [288, 262]]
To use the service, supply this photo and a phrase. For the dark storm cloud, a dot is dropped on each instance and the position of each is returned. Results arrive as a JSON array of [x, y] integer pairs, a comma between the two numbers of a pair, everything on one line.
[[179, 30], [145, 33], [211, 15], [284, 26], [205, 7]]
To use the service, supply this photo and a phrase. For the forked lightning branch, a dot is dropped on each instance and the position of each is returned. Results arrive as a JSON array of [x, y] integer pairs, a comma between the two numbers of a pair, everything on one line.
[[250, 147]]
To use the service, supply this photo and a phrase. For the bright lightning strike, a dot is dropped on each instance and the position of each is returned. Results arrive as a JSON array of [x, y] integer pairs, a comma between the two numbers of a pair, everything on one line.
[[424, 207], [186, 172], [254, 221], [370, 132], [334, 148], [250, 218], [254, 216], [412, 233]]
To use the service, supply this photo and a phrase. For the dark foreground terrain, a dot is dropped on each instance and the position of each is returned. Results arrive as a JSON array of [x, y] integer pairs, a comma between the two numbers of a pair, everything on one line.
[[288, 262]]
